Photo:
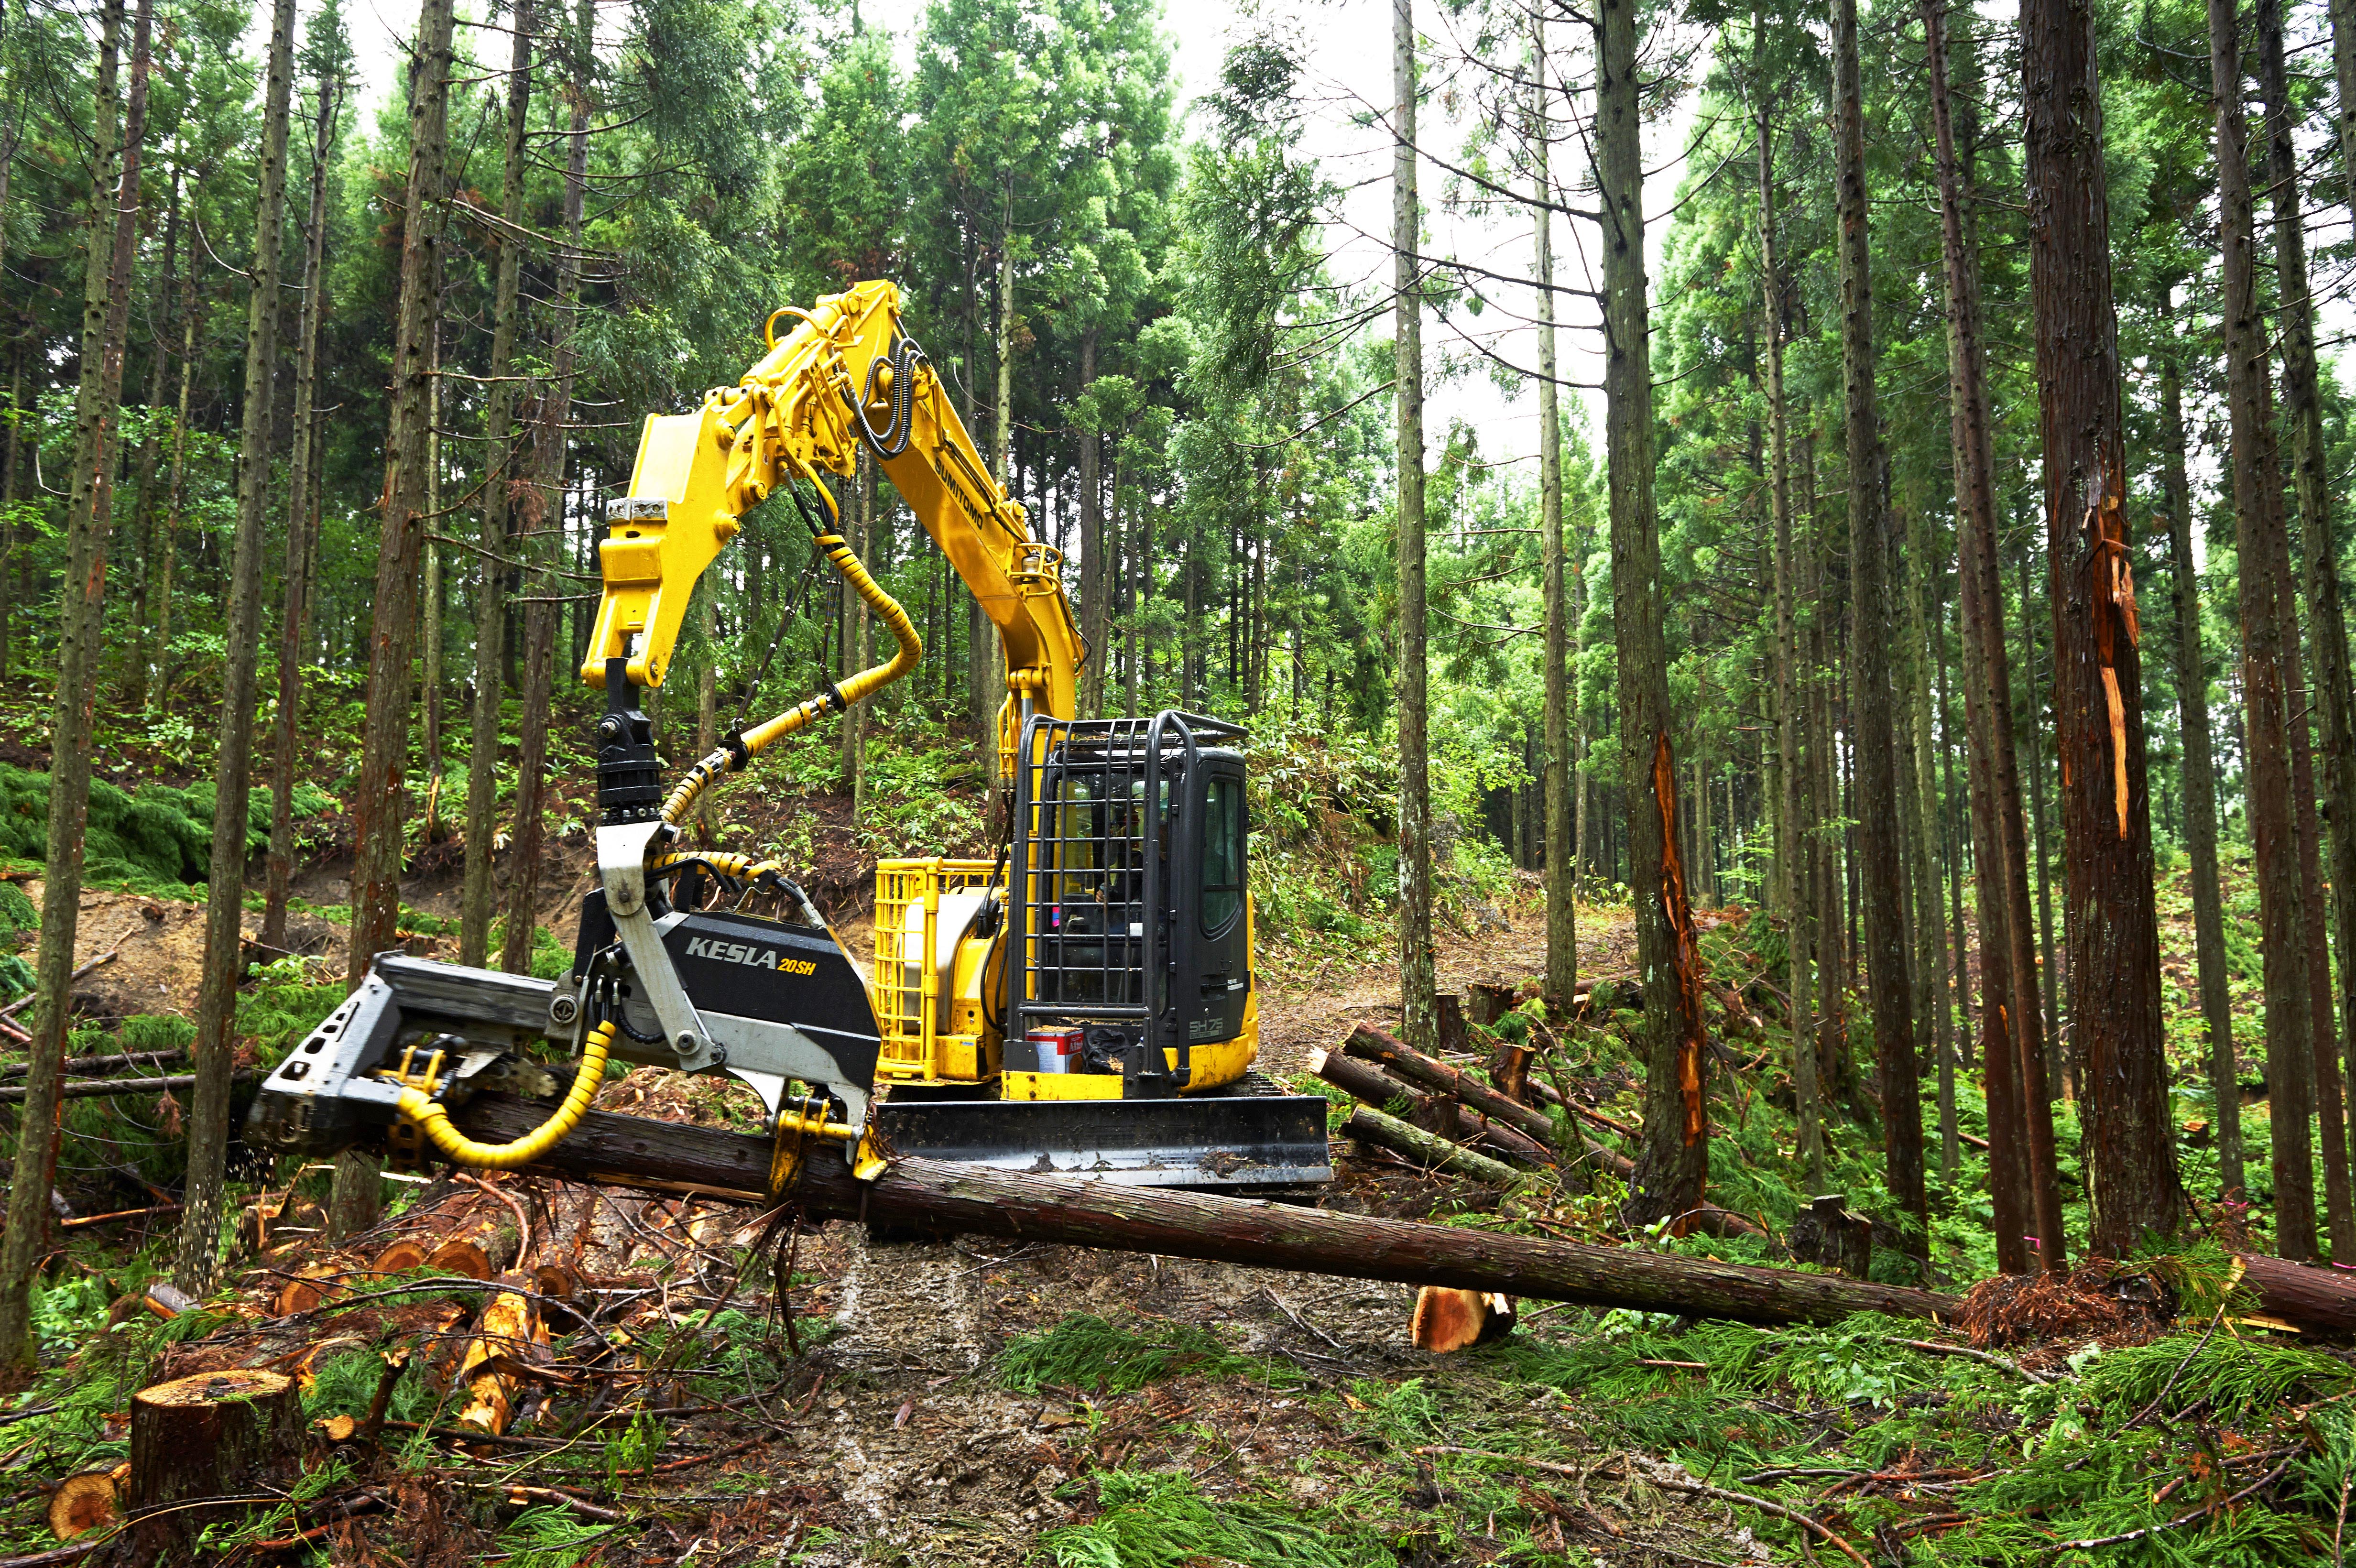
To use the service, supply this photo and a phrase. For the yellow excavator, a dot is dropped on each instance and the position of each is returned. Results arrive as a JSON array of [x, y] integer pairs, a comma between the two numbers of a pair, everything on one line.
[[1081, 1001]]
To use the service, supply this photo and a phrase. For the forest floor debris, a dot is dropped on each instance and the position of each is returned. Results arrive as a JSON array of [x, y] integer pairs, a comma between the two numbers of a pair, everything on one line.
[[986, 1403]]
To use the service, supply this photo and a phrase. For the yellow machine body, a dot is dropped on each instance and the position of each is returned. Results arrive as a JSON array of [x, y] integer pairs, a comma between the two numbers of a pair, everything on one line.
[[938, 1028]]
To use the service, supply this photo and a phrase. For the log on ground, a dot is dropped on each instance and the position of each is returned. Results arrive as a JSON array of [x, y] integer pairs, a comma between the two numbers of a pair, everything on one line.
[[1373, 1086], [1370, 1125], [954, 1199], [1368, 1043]]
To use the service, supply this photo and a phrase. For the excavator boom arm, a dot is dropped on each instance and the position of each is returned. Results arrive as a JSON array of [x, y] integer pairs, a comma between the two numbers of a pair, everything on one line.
[[845, 375]]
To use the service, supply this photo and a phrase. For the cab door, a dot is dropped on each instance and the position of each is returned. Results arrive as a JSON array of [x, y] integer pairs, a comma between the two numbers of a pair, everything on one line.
[[1210, 974]]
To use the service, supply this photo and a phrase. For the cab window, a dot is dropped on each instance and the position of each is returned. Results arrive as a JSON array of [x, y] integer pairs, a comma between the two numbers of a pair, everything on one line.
[[1222, 853]]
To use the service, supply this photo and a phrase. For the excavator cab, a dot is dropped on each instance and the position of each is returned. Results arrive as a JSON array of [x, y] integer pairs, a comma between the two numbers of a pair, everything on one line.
[[1087, 1004], [1129, 850]]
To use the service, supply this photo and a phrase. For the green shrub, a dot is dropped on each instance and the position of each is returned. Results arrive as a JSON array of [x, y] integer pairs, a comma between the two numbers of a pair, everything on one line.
[[17, 912], [155, 836]]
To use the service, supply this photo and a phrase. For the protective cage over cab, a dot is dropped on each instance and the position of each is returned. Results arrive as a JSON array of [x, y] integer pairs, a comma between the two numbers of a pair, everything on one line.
[[1103, 984]]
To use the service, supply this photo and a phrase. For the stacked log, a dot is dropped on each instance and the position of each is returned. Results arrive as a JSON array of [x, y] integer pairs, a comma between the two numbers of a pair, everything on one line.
[[1392, 1103]]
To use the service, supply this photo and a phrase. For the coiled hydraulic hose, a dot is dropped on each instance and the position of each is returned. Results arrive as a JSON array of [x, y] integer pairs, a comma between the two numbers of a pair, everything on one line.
[[833, 699], [434, 1122], [727, 862]]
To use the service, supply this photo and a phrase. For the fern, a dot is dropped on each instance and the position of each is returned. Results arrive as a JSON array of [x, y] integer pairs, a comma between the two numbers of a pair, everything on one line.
[[1159, 1520], [1084, 1351]]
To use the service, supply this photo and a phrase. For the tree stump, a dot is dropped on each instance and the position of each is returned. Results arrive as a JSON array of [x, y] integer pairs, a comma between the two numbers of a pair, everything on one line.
[[1509, 1070], [1454, 1041], [215, 1435], [1447, 1320], [82, 1503], [1827, 1233], [1488, 1002]]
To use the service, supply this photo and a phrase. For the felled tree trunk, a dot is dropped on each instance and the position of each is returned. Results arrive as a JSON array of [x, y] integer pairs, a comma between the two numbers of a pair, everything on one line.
[[1377, 1088], [1370, 1125], [215, 1435], [1368, 1043], [955, 1200]]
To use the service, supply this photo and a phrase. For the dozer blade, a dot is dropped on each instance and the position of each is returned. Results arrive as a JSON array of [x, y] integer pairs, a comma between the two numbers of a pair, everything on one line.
[[1234, 1140]]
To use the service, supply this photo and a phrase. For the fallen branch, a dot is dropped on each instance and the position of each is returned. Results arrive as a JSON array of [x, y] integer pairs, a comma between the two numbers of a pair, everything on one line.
[[159, 1210], [2195, 1516], [1939, 1348], [1657, 1475], [115, 1088], [109, 956], [100, 1064]]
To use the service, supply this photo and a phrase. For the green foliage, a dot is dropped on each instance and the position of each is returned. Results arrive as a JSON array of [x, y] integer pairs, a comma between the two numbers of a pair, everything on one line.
[[1084, 1351], [152, 840], [1160, 1520], [634, 1447], [2237, 1377], [549, 1538], [346, 1384], [276, 1014], [17, 912]]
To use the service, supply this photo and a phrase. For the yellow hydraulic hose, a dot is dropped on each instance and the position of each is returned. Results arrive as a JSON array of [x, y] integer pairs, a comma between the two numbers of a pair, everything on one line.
[[867, 682], [728, 863], [434, 1122], [853, 688]]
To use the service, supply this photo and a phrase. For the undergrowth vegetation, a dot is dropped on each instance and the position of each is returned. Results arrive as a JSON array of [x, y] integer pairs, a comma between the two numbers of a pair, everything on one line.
[[1598, 1428]]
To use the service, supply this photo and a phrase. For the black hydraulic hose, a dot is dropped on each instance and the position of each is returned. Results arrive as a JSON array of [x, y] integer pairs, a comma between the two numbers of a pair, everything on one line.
[[903, 360]]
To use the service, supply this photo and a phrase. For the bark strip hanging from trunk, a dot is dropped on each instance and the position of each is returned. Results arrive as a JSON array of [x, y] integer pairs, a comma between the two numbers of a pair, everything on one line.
[[1674, 1168], [2112, 924], [957, 1200]]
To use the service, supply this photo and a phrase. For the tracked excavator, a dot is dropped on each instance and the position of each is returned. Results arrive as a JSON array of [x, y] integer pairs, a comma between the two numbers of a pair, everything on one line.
[[1081, 1001]]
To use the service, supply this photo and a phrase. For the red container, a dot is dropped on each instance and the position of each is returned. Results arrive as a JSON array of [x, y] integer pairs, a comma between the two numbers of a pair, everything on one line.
[[1058, 1049]]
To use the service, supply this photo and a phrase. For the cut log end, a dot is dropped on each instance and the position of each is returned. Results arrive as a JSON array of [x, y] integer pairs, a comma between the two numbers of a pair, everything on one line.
[[309, 1291], [85, 1502], [1449, 1320], [399, 1258], [460, 1257]]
